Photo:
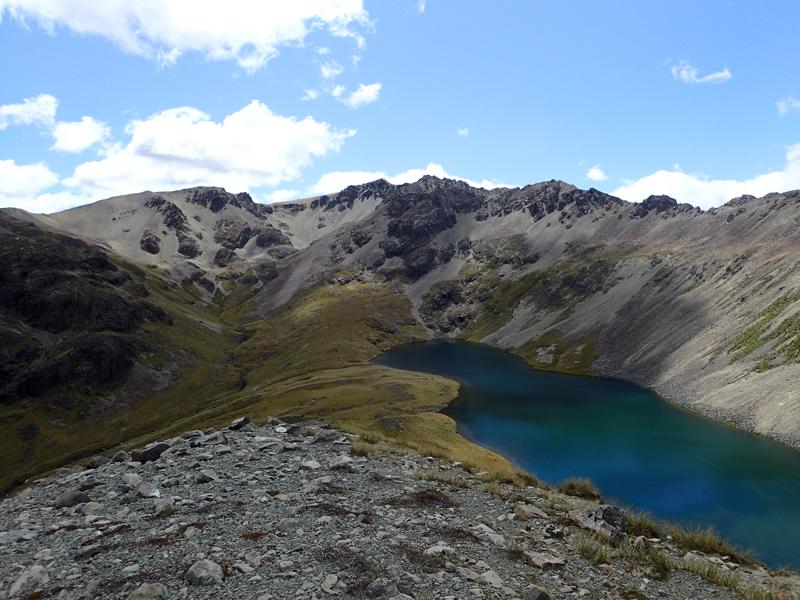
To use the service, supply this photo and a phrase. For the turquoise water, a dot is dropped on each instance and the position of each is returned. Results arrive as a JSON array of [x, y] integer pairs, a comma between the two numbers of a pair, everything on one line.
[[640, 450]]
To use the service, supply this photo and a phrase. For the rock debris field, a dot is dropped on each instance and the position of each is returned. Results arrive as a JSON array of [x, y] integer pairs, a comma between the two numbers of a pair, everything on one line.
[[307, 512]]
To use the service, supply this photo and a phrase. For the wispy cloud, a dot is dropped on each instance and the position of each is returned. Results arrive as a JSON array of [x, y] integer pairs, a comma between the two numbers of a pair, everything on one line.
[[787, 105], [421, 6], [330, 69], [596, 174], [685, 72], [363, 94], [462, 131]]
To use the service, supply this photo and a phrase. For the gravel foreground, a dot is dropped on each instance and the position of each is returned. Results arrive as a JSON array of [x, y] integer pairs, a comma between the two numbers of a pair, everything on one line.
[[305, 512]]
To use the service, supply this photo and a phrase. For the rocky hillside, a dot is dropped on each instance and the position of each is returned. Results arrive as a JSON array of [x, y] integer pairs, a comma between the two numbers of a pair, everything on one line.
[[279, 309], [303, 511]]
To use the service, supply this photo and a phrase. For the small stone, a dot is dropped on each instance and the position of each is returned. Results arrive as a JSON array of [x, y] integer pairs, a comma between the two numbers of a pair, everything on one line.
[[121, 457], [492, 578], [243, 568], [328, 583], [381, 588], [191, 531], [97, 461], [310, 465], [70, 498], [130, 570], [29, 581], [91, 508], [206, 476], [326, 435], [132, 480], [149, 591], [163, 505], [204, 572], [543, 560], [343, 461], [525, 512], [642, 543], [237, 424], [534, 592], [438, 550], [147, 490]]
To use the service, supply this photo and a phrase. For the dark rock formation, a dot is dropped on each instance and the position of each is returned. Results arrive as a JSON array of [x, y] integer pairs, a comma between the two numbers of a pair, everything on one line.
[[150, 243]]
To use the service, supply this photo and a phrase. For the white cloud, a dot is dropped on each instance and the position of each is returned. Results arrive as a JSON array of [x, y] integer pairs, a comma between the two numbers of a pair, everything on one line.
[[596, 174], [282, 196], [337, 91], [330, 69], [704, 192], [462, 131], [40, 110], [685, 72], [310, 95], [184, 147], [787, 105], [23, 186], [77, 136], [248, 32], [363, 94], [338, 180], [421, 6]]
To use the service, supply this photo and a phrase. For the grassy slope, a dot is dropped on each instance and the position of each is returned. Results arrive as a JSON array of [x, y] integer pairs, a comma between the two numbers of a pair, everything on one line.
[[311, 360], [102, 420]]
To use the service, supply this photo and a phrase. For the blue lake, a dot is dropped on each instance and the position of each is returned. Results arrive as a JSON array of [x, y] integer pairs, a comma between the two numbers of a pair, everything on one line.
[[640, 450]]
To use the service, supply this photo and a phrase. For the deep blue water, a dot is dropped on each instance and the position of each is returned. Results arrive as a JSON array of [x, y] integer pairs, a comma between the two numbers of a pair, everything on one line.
[[639, 450]]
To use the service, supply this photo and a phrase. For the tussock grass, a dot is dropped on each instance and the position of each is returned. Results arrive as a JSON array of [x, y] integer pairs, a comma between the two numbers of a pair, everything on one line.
[[441, 477], [363, 449], [711, 573], [706, 540], [591, 548], [579, 487], [641, 523]]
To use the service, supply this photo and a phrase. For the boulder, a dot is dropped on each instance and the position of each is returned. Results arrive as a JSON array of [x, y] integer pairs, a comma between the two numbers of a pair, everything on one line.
[[150, 243], [237, 424], [606, 520], [150, 452], [204, 572]]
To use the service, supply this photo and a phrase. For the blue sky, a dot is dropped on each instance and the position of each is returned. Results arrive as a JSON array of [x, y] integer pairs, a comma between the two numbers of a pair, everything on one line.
[[697, 100]]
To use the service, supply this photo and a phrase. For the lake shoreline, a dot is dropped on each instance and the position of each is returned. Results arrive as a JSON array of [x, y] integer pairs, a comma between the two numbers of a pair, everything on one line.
[[694, 422]]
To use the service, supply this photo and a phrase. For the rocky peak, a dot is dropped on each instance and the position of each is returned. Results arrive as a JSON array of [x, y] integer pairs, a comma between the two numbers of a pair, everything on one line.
[[215, 199]]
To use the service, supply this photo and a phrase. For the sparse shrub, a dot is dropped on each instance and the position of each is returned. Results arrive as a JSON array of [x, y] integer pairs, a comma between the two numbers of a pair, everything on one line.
[[253, 535], [579, 487]]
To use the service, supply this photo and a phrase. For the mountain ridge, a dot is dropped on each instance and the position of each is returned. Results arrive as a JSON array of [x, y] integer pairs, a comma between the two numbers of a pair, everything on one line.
[[701, 306]]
